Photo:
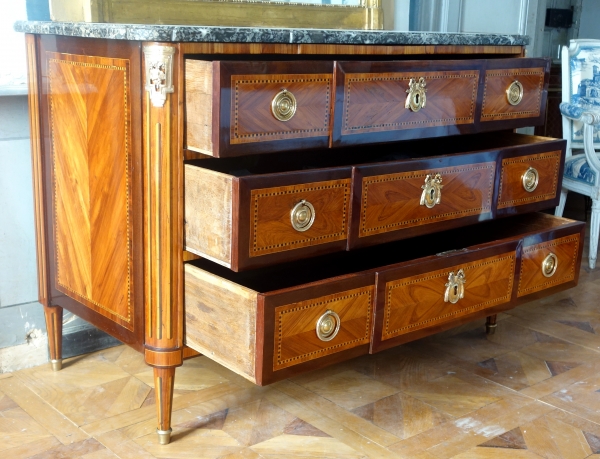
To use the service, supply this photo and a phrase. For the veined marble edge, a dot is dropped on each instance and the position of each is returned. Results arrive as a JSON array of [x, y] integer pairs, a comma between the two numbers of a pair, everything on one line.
[[206, 34]]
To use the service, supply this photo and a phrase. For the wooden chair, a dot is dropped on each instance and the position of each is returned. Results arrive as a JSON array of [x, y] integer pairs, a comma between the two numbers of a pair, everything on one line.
[[580, 109]]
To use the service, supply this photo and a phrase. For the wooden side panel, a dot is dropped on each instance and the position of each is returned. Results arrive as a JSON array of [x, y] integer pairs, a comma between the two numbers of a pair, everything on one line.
[[495, 102], [417, 302], [208, 214], [220, 319], [296, 340], [512, 193], [392, 201], [374, 102], [90, 128], [252, 119], [271, 230], [199, 105], [531, 277]]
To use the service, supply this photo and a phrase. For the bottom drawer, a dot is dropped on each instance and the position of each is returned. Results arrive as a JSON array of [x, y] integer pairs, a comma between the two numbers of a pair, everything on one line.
[[271, 323]]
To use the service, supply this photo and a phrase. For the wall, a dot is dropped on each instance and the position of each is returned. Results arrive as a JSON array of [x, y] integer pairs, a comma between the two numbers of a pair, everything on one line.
[[590, 20]]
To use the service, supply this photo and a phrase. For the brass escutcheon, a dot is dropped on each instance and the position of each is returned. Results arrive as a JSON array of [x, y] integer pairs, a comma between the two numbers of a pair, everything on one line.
[[514, 93], [455, 288], [328, 325], [416, 98], [549, 265], [530, 179], [284, 105], [303, 216], [432, 191]]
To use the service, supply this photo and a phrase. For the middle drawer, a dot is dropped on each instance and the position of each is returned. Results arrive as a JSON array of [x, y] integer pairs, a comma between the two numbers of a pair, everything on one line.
[[256, 211]]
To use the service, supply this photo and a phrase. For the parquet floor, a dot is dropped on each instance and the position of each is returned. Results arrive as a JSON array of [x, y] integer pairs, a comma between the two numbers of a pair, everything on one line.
[[532, 390]]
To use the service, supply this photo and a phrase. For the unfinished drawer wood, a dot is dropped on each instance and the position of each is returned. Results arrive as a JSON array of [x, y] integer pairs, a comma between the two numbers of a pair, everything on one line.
[[240, 108], [252, 220], [269, 335], [515, 90]]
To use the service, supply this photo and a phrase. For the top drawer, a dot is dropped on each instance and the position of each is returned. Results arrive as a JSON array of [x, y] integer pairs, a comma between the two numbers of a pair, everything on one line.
[[241, 108], [387, 101]]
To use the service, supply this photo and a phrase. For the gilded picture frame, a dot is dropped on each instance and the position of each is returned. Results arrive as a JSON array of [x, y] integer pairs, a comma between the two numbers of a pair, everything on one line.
[[362, 15]]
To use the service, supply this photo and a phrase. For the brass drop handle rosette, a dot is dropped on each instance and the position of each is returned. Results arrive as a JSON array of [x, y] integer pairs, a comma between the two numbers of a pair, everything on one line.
[[416, 98], [530, 179], [302, 216], [328, 325], [455, 287], [514, 93], [432, 191], [284, 105], [549, 265]]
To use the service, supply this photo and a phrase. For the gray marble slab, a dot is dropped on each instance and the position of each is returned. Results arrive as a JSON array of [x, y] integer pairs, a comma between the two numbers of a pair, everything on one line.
[[177, 33]]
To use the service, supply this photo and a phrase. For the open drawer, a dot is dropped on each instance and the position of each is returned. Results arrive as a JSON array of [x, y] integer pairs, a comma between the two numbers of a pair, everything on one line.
[[271, 323], [260, 210]]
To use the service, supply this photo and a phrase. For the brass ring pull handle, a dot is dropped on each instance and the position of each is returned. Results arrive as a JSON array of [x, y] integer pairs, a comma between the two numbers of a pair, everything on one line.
[[514, 93], [432, 191], [530, 179], [284, 105], [416, 98], [455, 288], [549, 265], [302, 216], [328, 325]]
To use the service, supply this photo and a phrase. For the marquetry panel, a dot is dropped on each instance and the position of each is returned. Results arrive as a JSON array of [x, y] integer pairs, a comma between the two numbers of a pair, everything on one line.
[[392, 201], [417, 302], [374, 102], [271, 230], [90, 128], [252, 119], [296, 340], [531, 276], [495, 102], [512, 191]]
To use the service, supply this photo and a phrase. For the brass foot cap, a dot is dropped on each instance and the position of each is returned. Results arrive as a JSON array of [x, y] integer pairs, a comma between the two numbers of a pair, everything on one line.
[[164, 436], [56, 364], [491, 329]]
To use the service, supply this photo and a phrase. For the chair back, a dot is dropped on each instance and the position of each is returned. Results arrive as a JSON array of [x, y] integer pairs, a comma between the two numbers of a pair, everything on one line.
[[581, 86]]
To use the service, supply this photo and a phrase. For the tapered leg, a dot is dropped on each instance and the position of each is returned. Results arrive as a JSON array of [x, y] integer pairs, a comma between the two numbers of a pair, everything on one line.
[[561, 204], [594, 232], [490, 325], [54, 321], [164, 379]]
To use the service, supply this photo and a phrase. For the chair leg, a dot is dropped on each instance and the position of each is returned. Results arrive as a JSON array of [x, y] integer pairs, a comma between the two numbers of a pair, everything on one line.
[[594, 232], [561, 204]]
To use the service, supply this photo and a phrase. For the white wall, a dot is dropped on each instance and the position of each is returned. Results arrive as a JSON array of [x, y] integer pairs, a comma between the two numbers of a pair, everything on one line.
[[590, 19]]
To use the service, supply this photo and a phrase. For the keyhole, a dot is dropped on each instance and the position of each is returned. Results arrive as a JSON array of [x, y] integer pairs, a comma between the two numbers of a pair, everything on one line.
[[432, 194], [455, 290], [417, 99]]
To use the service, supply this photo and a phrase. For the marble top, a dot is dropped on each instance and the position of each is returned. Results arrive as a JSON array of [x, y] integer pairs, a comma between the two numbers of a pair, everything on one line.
[[180, 33]]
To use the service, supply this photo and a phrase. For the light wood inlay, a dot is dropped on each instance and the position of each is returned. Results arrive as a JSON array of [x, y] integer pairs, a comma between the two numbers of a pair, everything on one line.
[[531, 278], [392, 201], [374, 102], [271, 230], [296, 340], [89, 100], [199, 105], [512, 193], [251, 116], [417, 302], [495, 103]]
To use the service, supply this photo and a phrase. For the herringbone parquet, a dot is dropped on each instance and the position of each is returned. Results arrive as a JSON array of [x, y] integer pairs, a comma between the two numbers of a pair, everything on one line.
[[532, 390]]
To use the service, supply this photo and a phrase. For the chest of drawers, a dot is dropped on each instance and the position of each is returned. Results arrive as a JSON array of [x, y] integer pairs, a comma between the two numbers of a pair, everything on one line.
[[358, 196]]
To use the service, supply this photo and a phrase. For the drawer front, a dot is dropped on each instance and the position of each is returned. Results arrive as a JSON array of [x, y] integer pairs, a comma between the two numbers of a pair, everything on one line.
[[549, 263], [433, 297], [306, 330], [292, 217], [529, 179], [258, 99], [515, 89], [390, 202]]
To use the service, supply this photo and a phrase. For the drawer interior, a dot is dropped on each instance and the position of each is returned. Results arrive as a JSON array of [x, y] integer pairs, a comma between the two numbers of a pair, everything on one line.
[[296, 273], [409, 150]]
